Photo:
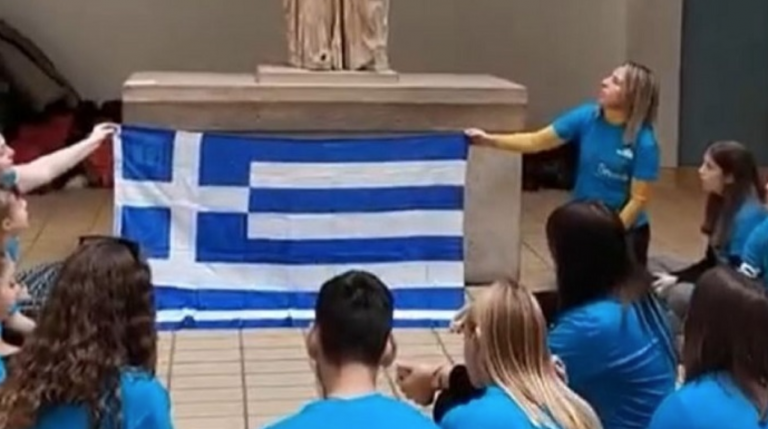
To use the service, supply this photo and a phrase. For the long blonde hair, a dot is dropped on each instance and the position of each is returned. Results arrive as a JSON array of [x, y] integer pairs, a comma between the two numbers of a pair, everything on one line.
[[510, 330], [641, 95]]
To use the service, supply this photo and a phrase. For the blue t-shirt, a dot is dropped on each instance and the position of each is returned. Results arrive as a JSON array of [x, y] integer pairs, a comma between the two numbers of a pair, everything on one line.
[[145, 405], [754, 258], [710, 402], [493, 409], [2, 360], [751, 214], [617, 359], [607, 165], [374, 411], [8, 179]]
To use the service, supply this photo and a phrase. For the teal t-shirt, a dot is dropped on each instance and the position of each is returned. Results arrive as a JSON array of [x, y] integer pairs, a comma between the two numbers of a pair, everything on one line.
[[7, 180], [606, 165], [618, 359], [493, 409], [710, 402], [750, 215], [145, 405], [374, 411], [754, 260]]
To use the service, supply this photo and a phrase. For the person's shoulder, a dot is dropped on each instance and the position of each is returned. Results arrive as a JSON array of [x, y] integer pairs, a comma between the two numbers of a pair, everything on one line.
[[762, 229], [646, 138], [752, 210], [145, 401], [405, 415], [141, 387], [685, 403], [493, 409], [595, 313], [397, 413]]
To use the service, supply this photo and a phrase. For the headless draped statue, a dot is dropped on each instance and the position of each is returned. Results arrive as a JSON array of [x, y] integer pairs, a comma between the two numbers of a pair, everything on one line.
[[338, 34]]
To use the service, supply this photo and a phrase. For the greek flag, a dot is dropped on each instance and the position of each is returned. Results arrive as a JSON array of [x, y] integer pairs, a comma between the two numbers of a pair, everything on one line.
[[242, 231]]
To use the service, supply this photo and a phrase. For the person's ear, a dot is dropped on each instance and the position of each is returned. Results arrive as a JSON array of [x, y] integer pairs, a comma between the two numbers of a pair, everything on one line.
[[313, 343], [7, 224], [390, 352]]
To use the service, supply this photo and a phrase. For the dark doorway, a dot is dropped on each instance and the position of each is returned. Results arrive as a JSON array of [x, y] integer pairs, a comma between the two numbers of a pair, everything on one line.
[[724, 77]]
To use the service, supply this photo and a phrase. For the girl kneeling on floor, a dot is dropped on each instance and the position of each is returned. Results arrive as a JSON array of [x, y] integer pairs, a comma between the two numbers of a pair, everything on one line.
[[91, 362], [734, 209]]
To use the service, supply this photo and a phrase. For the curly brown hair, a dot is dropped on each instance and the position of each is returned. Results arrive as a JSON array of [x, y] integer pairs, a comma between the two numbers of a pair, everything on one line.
[[98, 320]]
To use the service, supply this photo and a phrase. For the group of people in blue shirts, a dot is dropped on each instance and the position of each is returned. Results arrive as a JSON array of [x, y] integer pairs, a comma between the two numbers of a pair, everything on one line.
[[629, 348]]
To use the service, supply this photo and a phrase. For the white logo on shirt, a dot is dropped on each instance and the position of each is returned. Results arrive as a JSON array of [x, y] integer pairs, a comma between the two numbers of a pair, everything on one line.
[[749, 271], [605, 171], [625, 153]]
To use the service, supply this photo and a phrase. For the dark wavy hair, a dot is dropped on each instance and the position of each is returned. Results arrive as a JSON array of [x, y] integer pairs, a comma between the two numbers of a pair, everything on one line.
[[98, 319]]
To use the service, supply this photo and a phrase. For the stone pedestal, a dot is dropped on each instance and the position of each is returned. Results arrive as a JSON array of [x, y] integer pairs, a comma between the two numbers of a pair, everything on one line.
[[293, 101]]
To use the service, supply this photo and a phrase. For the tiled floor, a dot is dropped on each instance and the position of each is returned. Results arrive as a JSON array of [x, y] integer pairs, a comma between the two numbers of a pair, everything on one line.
[[237, 380]]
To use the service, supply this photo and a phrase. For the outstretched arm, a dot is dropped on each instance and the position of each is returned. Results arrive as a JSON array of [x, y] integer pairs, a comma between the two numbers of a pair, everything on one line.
[[565, 128], [528, 142], [45, 169]]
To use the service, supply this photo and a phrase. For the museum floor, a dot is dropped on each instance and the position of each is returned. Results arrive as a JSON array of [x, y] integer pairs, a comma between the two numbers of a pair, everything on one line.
[[244, 379]]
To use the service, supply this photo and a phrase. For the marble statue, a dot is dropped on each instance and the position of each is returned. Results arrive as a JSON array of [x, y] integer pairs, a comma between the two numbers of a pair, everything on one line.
[[338, 34]]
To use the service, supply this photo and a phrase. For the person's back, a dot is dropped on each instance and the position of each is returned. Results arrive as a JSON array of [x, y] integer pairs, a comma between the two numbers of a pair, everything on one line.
[[144, 405], [712, 402], [751, 214], [350, 341], [755, 255], [611, 332], [371, 411], [616, 359], [725, 357], [491, 409]]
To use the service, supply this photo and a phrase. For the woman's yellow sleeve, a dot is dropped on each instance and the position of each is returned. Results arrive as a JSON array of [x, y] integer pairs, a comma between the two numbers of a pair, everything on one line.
[[530, 142], [640, 194]]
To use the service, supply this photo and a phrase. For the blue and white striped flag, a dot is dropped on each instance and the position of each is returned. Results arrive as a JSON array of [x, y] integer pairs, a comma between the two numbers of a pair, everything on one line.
[[241, 231]]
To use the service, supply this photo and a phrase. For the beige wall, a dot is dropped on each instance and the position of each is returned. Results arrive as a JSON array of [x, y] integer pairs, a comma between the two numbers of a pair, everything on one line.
[[559, 49]]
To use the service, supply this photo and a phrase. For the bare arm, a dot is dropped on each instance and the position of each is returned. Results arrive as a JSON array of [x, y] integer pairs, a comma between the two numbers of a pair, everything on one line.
[[45, 169], [20, 323]]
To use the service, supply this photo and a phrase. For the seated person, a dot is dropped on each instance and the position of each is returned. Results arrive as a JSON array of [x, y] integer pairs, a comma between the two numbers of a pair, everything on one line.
[[28, 177], [14, 218], [509, 380], [9, 294], [350, 340], [611, 332], [735, 207], [91, 361], [725, 357], [754, 261]]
